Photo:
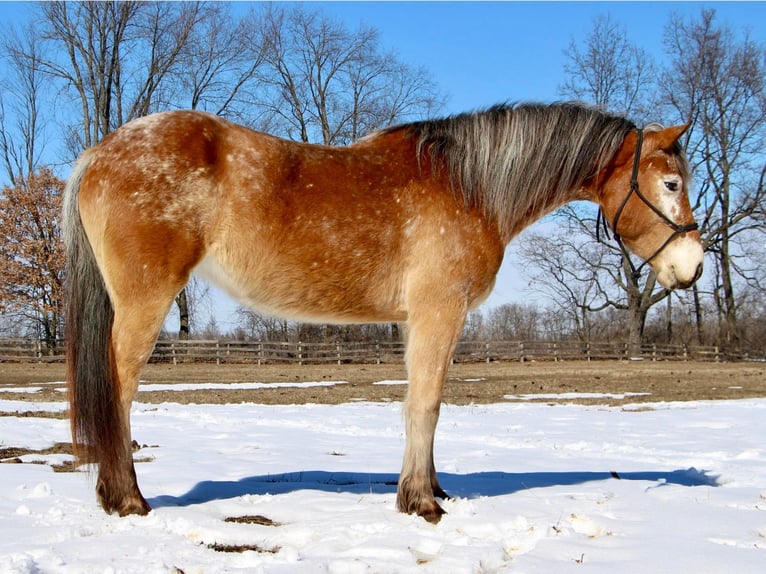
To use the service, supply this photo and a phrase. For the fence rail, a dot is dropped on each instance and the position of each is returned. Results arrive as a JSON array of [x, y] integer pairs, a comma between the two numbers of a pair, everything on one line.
[[258, 352]]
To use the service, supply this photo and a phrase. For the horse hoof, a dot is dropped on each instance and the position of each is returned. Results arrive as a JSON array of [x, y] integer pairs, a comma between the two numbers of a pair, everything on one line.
[[426, 509], [127, 507], [433, 513], [123, 506], [137, 507]]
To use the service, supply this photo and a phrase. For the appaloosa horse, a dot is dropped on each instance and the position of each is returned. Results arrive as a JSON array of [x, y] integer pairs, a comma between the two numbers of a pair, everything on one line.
[[409, 224]]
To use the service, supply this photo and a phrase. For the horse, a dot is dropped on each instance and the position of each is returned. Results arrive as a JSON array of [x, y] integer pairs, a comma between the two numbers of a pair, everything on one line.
[[408, 224]]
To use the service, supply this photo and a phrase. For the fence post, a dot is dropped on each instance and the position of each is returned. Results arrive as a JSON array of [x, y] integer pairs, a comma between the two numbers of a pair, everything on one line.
[[555, 352], [217, 353], [377, 352], [486, 352], [300, 353], [685, 353], [521, 351], [717, 356], [259, 348], [337, 351], [173, 352]]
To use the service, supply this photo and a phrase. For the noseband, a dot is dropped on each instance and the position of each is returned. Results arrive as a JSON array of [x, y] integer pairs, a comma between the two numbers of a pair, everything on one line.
[[677, 228]]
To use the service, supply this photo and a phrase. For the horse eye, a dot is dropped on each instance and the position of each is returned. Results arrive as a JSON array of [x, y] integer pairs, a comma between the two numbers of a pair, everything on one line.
[[672, 185]]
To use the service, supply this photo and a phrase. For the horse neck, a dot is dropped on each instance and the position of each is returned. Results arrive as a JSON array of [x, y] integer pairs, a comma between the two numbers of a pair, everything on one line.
[[509, 211]]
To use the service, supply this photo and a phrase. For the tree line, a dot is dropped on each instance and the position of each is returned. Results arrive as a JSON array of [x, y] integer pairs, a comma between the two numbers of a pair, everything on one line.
[[84, 69]]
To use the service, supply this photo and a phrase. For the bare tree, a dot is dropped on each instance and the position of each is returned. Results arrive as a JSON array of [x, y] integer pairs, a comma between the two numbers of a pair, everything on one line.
[[719, 82], [32, 254], [22, 122], [566, 266], [117, 58], [608, 71], [327, 84], [258, 326], [219, 63]]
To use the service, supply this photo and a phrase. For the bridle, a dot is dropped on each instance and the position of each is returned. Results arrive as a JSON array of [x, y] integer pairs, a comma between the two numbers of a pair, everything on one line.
[[677, 228]]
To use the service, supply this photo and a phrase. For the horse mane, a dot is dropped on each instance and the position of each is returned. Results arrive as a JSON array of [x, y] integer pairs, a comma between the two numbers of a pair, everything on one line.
[[514, 160]]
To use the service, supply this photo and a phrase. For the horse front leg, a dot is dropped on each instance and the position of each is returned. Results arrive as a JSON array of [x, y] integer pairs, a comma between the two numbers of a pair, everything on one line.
[[431, 342]]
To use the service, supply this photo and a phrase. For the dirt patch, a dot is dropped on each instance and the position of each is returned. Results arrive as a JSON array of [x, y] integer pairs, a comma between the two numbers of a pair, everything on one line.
[[252, 519], [637, 381], [61, 415], [12, 455], [239, 548]]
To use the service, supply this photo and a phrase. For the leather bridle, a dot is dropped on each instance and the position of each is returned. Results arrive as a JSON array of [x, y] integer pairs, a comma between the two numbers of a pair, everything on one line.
[[677, 228]]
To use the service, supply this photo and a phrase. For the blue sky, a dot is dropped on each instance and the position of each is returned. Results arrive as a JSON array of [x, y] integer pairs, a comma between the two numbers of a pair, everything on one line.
[[485, 52]]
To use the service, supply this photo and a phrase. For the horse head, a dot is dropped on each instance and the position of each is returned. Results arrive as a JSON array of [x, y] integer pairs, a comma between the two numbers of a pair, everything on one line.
[[645, 199]]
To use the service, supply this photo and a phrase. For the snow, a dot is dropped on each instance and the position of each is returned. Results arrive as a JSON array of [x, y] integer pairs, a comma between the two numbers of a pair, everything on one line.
[[660, 487], [4, 389], [572, 396]]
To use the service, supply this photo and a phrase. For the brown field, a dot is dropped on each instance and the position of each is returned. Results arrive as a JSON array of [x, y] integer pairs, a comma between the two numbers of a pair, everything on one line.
[[468, 382]]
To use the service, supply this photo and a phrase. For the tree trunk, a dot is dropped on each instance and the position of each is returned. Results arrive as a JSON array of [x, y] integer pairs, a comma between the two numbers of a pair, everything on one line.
[[637, 318], [636, 308], [697, 313], [183, 312], [669, 321], [729, 305]]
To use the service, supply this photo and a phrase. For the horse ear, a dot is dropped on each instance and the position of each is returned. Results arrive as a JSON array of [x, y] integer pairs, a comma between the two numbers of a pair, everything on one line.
[[667, 137]]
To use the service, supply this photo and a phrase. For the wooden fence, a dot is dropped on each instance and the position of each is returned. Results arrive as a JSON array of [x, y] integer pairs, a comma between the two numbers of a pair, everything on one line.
[[258, 352]]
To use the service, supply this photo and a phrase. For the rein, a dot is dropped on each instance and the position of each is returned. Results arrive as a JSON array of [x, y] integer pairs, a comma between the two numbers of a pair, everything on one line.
[[677, 228]]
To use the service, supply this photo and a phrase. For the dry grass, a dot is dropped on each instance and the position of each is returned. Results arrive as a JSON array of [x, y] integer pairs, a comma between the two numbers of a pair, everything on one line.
[[468, 382]]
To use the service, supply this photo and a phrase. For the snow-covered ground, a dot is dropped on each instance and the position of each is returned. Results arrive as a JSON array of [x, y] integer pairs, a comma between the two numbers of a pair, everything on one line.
[[666, 487]]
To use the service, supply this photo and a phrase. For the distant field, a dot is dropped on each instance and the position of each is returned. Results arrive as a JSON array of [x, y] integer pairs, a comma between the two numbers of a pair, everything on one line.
[[468, 382]]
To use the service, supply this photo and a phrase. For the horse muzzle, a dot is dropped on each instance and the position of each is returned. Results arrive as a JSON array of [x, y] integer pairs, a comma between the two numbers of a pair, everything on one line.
[[679, 265]]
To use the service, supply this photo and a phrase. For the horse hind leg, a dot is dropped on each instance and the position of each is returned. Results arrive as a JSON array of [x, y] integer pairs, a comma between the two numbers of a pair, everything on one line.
[[137, 324], [432, 337], [141, 292]]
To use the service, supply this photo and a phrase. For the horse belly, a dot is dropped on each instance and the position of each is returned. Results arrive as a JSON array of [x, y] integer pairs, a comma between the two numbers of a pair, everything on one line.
[[317, 292]]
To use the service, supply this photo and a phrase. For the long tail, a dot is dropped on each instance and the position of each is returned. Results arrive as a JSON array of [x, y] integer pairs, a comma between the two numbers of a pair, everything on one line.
[[91, 375]]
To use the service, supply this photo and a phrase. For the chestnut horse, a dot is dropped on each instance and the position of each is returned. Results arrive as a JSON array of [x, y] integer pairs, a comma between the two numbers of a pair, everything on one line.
[[409, 224]]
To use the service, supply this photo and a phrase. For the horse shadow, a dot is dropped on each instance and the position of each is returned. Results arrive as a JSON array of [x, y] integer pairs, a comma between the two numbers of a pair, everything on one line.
[[472, 485]]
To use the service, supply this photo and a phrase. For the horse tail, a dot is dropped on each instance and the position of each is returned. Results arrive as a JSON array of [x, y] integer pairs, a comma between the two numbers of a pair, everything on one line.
[[94, 408]]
